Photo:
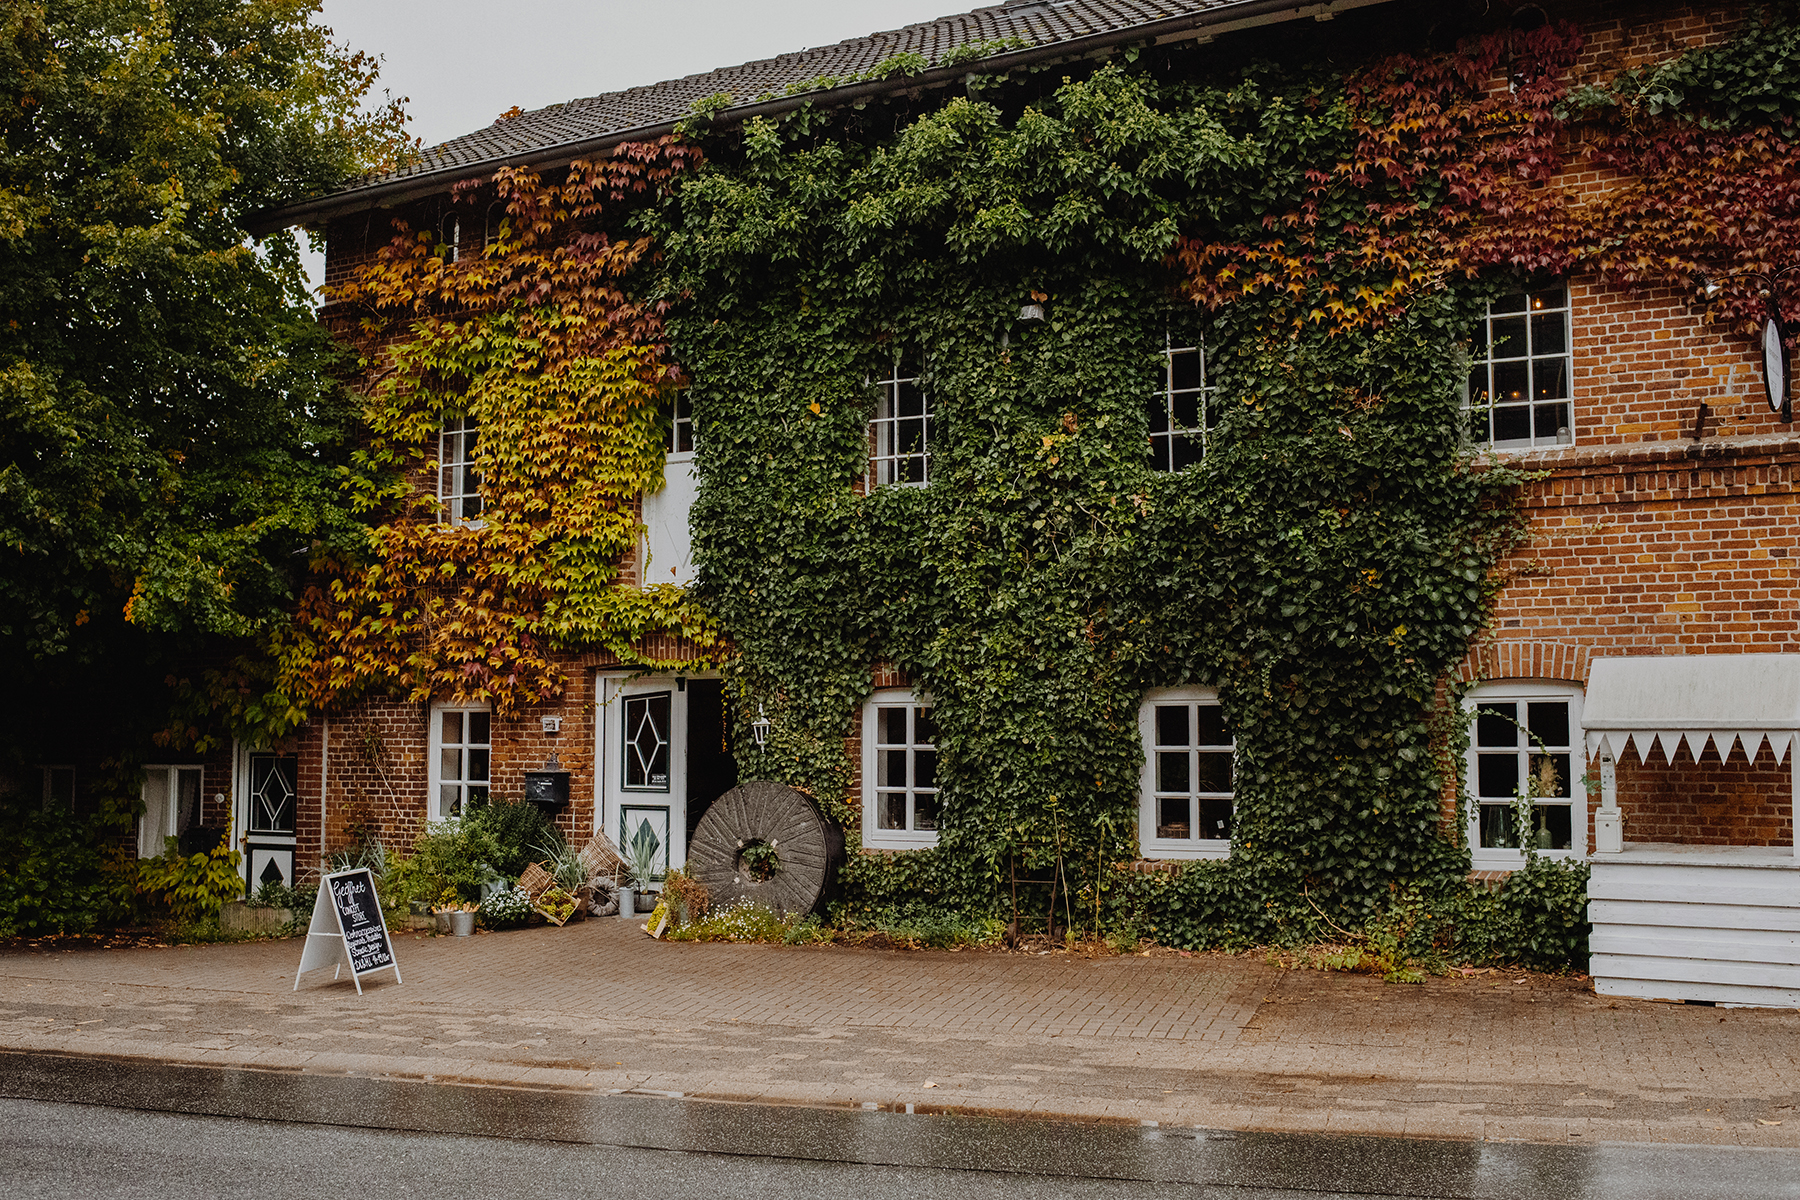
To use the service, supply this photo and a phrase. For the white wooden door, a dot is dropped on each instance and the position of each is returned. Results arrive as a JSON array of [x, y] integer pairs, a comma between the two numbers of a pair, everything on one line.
[[268, 801], [641, 761]]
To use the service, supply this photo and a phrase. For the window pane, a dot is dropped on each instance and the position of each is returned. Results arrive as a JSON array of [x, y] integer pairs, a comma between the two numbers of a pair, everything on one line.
[[1172, 817], [478, 796], [1497, 827], [1184, 410], [1552, 422], [450, 799], [924, 727], [1512, 424], [1554, 827], [925, 811], [1512, 381], [924, 768], [1185, 449], [451, 765], [478, 765], [479, 723], [1172, 772], [1509, 339], [892, 772], [1158, 413], [911, 401], [453, 726], [1211, 719], [1550, 333], [1497, 775], [1172, 725], [890, 807], [1185, 369], [1549, 722], [890, 726], [1215, 819], [1494, 725], [1510, 304], [1550, 773], [1215, 773], [1550, 379]]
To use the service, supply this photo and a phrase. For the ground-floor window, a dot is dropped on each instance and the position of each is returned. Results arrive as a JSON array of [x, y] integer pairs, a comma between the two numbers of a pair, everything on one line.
[[171, 806], [1189, 779], [461, 750], [1522, 759], [899, 772]]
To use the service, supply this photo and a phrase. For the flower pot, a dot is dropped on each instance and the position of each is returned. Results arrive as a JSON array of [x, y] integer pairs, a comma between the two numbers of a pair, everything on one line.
[[443, 920], [627, 903], [462, 924]]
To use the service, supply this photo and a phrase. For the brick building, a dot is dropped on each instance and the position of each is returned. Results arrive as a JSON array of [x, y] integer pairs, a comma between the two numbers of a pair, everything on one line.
[[1662, 523]]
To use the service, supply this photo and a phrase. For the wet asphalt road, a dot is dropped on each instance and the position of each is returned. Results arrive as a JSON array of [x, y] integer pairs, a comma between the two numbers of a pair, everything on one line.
[[88, 1127]]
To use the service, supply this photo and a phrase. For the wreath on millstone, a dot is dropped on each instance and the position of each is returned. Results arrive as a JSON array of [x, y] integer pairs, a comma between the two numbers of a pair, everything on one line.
[[767, 843]]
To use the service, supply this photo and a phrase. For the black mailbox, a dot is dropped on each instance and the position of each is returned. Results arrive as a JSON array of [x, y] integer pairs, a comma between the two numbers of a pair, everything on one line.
[[548, 788]]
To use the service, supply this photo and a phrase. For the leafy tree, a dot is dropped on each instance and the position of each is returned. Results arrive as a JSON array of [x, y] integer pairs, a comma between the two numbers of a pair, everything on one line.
[[170, 426]]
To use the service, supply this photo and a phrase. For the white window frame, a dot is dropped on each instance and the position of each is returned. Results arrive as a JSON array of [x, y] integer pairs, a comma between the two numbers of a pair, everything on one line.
[[892, 465], [50, 772], [438, 810], [1525, 691], [458, 480], [1149, 845], [680, 444], [873, 837], [1539, 302], [1162, 403], [162, 819]]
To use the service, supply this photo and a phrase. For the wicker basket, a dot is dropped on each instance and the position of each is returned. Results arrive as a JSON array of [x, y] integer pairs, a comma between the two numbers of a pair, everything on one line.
[[601, 857], [536, 881]]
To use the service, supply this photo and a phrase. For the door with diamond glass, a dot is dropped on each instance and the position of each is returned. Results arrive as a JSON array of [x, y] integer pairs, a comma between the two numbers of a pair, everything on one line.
[[641, 760], [267, 803]]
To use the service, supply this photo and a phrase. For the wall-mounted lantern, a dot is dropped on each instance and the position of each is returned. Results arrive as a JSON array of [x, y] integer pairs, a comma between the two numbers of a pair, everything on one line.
[[759, 729]]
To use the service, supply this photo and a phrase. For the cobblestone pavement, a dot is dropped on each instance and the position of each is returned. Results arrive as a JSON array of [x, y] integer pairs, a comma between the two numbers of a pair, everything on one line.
[[1212, 1040]]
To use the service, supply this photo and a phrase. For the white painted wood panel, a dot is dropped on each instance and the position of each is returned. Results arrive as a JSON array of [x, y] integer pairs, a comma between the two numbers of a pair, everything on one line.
[[1729, 934], [1692, 916], [1733, 945], [667, 547]]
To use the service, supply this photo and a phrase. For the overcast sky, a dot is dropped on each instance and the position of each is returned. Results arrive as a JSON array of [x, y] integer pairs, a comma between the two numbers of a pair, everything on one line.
[[462, 63]]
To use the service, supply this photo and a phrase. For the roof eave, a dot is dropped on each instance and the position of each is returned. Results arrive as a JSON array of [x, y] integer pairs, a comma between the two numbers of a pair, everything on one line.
[[396, 192]]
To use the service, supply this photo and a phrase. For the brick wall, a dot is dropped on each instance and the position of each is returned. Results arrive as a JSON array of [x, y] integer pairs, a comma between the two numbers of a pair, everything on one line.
[[1711, 803]]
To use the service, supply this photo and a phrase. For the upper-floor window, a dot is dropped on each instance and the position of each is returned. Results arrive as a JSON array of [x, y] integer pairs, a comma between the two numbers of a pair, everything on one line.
[[899, 777], [1518, 394], [450, 230], [901, 430], [1181, 409], [1523, 771], [59, 789], [459, 484], [1189, 782], [681, 426]]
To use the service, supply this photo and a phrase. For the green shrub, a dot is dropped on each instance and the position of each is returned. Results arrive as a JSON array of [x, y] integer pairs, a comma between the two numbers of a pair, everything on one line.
[[55, 878], [929, 929], [517, 830], [192, 886], [450, 862], [748, 921]]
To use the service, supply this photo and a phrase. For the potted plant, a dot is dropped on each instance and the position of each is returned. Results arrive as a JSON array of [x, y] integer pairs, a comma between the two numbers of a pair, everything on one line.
[[640, 861]]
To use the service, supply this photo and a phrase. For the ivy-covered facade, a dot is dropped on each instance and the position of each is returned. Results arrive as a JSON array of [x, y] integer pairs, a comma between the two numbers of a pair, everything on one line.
[[1060, 451]]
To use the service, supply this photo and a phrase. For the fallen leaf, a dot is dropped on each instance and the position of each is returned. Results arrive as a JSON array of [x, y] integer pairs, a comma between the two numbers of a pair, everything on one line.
[[1760, 1121], [928, 1083]]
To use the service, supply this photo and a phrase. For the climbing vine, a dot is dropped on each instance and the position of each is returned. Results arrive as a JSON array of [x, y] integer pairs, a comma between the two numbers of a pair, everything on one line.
[[1330, 236], [522, 323]]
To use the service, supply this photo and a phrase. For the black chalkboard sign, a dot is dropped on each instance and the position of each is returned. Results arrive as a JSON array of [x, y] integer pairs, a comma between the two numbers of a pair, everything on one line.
[[347, 929]]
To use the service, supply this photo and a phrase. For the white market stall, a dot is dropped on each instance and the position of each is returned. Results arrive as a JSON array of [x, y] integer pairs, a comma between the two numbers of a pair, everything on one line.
[[1710, 923]]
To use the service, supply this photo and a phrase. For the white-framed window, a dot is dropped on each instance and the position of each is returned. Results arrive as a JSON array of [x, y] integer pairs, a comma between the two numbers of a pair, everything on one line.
[[462, 749], [681, 426], [1188, 787], [901, 430], [1525, 737], [459, 484], [647, 734], [1518, 394], [59, 789], [450, 233], [171, 806], [1181, 409], [899, 771]]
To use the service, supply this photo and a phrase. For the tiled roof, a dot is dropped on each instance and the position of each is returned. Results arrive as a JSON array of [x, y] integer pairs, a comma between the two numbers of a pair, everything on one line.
[[1023, 25]]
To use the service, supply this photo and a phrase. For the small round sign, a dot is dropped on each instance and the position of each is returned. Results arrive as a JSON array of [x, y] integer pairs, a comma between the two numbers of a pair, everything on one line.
[[1775, 364]]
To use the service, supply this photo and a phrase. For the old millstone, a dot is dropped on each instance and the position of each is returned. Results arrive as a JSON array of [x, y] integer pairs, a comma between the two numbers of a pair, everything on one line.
[[809, 848]]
